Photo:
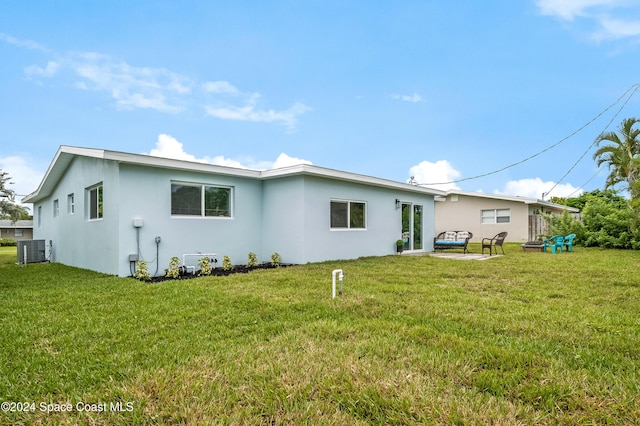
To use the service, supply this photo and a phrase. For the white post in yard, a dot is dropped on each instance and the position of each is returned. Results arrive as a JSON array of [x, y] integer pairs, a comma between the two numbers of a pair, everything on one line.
[[340, 275]]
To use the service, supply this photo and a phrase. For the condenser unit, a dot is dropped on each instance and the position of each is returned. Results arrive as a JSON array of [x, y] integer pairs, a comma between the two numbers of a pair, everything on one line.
[[34, 250]]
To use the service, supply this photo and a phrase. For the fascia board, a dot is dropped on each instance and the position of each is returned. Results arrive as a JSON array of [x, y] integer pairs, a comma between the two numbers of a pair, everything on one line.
[[310, 170], [525, 200]]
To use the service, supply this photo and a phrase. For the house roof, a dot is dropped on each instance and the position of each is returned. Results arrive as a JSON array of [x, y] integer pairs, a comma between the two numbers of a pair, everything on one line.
[[66, 154], [524, 200], [17, 224]]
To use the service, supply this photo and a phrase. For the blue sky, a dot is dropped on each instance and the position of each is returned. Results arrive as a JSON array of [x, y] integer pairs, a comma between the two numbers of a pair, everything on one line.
[[442, 91]]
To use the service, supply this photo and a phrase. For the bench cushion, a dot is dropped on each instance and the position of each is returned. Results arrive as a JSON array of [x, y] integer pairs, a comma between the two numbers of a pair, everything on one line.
[[450, 236], [462, 235], [449, 243]]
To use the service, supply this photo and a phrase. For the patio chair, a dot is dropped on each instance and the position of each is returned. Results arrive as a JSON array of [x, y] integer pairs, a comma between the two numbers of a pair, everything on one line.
[[568, 242], [494, 243], [555, 242]]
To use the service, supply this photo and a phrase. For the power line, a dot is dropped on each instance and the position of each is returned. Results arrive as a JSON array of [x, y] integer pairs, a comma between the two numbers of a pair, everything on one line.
[[633, 88]]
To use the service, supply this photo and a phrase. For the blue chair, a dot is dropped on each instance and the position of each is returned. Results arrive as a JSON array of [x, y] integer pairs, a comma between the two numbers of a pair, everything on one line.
[[555, 242], [568, 241]]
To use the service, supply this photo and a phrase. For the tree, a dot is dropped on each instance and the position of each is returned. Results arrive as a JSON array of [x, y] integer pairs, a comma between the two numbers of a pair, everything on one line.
[[8, 208], [622, 155]]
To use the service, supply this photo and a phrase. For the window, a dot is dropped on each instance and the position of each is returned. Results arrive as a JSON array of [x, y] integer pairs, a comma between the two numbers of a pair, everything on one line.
[[495, 216], [17, 233], [348, 215], [71, 204], [39, 216], [95, 204], [200, 200], [56, 208]]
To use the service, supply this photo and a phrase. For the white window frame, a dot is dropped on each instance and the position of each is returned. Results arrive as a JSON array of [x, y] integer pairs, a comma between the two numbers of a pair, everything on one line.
[[202, 187], [18, 232], [348, 203], [99, 188], [493, 216], [71, 203], [56, 208]]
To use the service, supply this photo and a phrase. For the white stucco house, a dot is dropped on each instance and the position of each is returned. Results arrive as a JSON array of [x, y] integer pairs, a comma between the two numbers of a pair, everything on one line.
[[99, 209]]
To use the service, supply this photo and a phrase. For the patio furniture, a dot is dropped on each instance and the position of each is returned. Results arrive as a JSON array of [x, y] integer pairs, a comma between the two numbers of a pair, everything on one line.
[[568, 242], [532, 246], [555, 242], [451, 240], [494, 243]]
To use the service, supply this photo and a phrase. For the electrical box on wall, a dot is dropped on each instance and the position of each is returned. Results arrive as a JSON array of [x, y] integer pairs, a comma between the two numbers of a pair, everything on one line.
[[138, 222]]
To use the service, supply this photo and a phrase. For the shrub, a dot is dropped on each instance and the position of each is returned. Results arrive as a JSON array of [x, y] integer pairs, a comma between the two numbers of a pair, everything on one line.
[[7, 242], [174, 268], [142, 272], [275, 259], [252, 260], [565, 224], [226, 263], [205, 265]]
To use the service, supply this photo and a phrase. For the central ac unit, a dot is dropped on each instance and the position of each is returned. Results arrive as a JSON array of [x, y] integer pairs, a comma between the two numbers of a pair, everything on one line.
[[34, 250]]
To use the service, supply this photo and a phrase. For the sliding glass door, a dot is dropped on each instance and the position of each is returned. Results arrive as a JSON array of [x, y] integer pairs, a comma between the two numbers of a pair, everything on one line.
[[412, 226]]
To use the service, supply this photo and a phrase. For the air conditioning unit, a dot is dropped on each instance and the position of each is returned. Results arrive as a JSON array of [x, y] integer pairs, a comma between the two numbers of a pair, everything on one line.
[[34, 250]]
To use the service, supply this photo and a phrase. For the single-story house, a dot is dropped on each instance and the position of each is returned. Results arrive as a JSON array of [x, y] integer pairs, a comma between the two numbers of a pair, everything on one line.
[[486, 215], [18, 230], [101, 210]]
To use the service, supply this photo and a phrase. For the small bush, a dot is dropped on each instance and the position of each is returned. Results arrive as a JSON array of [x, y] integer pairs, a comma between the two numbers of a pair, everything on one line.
[[226, 263], [205, 265], [142, 271], [275, 259], [252, 260], [174, 268], [7, 242]]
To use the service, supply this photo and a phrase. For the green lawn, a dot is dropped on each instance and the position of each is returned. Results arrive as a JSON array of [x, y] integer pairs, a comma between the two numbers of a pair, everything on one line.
[[520, 339]]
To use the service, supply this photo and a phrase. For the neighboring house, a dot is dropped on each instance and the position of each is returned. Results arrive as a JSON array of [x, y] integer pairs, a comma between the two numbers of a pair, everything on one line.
[[97, 208], [18, 230], [485, 215]]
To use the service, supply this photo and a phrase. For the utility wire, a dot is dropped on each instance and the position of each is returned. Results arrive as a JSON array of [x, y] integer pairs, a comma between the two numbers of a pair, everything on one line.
[[585, 184], [633, 88]]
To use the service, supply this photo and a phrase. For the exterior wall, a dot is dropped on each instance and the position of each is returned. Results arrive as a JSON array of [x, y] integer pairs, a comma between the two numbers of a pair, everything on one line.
[[289, 214], [76, 240], [464, 215], [283, 219], [297, 220], [146, 194]]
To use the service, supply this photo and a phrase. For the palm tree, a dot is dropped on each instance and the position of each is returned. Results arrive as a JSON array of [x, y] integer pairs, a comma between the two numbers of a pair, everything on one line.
[[622, 155]]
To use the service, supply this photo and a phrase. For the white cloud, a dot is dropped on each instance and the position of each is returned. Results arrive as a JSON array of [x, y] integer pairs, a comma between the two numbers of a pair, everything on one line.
[[24, 177], [249, 112], [407, 98], [27, 44], [131, 87], [169, 147], [612, 18], [284, 160], [616, 29], [49, 70], [220, 87], [438, 175], [535, 187], [570, 9], [159, 89]]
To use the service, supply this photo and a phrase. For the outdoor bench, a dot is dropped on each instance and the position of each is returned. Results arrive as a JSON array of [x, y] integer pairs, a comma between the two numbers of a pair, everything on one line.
[[452, 240]]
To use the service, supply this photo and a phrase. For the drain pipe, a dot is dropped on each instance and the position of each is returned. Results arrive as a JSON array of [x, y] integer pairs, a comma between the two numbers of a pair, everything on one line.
[[340, 275]]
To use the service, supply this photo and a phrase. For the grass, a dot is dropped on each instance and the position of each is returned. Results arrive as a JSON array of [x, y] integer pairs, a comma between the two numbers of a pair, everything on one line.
[[520, 339]]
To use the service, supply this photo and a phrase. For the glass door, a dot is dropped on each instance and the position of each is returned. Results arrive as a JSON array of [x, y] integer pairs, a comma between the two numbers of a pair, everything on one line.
[[412, 226]]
